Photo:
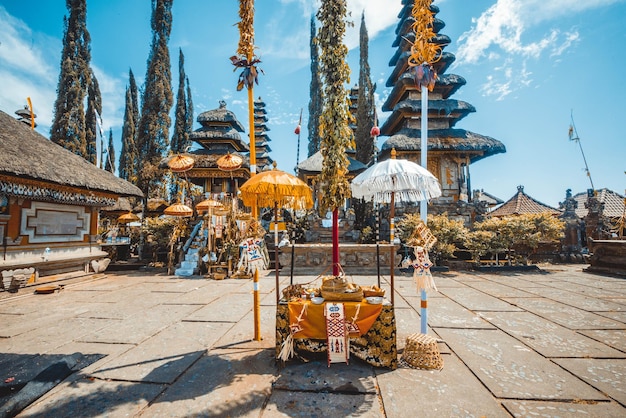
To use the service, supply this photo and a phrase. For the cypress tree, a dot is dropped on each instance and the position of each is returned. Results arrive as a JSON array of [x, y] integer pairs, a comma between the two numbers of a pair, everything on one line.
[[110, 162], [154, 122], [335, 131], [180, 136], [365, 113], [189, 127], [134, 97], [128, 154], [68, 125], [92, 119], [315, 94]]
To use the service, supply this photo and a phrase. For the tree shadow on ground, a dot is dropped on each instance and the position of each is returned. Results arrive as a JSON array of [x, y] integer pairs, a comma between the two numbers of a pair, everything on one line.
[[216, 384]]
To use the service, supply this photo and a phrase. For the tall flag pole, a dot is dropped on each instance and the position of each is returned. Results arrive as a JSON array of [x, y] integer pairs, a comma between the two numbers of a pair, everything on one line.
[[297, 132], [573, 136], [247, 60], [423, 54]]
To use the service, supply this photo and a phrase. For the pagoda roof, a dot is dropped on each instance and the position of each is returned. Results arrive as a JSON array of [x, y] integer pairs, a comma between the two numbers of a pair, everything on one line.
[[406, 41], [264, 146], [210, 137], [219, 117], [446, 85], [522, 204], [28, 155], [405, 26], [313, 164], [613, 203], [399, 62], [408, 6], [451, 109], [459, 140]]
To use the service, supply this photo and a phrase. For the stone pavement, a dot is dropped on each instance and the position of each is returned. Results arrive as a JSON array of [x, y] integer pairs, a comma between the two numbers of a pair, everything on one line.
[[549, 343]]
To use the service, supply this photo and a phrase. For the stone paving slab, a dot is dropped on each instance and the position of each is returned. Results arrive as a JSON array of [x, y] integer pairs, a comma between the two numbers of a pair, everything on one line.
[[224, 383], [107, 310], [137, 328], [320, 405], [587, 303], [44, 339], [607, 376], [595, 290], [567, 316], [501, 290], [475, 300], [617, 316], [612, 338], [229, 307], [309, 389], [444, 280], [24, 305], [548, 338], [90, 398], [318, 376], [520, 281], [183, 342], [451, 392], [511, 370], [105, 351], [564, 409], [449, 314], [241, 335], [197, 296], [13, 325]]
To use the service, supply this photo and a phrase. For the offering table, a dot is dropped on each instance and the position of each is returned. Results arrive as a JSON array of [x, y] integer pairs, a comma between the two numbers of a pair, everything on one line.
[[372, 340]]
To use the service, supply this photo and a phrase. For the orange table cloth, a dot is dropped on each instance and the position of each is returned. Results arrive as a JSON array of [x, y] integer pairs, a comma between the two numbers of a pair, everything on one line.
[[375, 345], [309, 318]]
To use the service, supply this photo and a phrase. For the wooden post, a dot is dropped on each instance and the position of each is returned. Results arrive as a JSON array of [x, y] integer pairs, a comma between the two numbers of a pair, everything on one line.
[[276, 251], [335, 242], [257, 307], [392, 259]]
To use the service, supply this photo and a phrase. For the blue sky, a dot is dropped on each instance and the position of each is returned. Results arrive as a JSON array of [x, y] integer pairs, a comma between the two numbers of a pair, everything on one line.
[[529, 64]]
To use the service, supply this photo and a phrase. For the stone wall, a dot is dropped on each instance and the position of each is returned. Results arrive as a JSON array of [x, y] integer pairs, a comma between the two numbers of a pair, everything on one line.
[[354, 258]]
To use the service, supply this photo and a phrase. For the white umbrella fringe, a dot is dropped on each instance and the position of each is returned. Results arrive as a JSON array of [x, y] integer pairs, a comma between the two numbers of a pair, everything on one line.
[[406, 187]]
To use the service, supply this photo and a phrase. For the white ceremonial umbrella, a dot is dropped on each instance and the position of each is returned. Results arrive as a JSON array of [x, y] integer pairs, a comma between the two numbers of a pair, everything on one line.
[[392, 179]]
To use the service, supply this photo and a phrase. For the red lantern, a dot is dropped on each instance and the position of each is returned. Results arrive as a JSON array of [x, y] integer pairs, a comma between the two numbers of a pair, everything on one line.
[[297, 131], [375, 131]]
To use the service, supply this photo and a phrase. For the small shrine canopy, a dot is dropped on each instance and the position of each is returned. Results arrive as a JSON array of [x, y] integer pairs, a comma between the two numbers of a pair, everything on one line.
[[489, 199], [613, 203], [522, 204], [313, 165]]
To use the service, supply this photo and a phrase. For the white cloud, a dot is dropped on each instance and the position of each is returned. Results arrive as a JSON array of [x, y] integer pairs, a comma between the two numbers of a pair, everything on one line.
[[29, 68], [379, 15], [503, 30], [113, 94]]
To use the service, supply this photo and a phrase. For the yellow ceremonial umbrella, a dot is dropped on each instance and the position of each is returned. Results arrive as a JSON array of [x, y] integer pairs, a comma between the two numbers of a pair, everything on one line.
[[229, 162], [181, 163], [178, 209], [127, 218], [274, 188]]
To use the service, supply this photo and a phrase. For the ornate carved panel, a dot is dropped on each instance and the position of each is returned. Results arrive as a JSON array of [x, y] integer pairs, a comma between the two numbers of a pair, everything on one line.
[[50, 222]]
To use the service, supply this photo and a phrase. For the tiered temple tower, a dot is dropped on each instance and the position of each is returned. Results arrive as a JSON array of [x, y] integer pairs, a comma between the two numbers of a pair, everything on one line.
[[261, 139], [218, 136], [450, 150]]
